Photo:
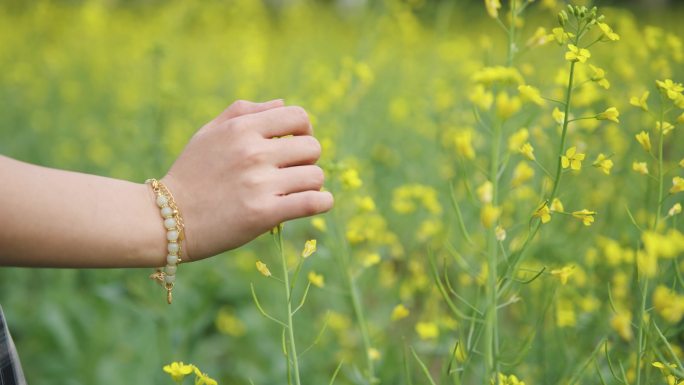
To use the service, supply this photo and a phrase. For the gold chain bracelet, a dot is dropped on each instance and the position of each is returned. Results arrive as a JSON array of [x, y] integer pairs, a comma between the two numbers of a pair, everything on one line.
[[175, 234]]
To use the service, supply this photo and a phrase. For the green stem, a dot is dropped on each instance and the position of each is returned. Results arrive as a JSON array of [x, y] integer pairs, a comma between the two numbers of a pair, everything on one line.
[[561, 149], [511, 36], [661, 174], [290, 324], [358, 310], [491, 321], [640, 352]]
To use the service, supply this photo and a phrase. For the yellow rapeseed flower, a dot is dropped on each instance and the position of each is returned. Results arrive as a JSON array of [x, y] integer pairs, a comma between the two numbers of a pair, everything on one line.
[[668, 304], [677, 185], [507, 106], [481, 97], [539, 38], [644, 140], [577, 54], [500, 233], [350, 179], [640, 101], [531, 94], [640, 167], [489, 215], [485, 192], [680, 118], [371, 259], [563, 274], [543, 213], [585, 215], [676, 209], [427, 330], [611, 114], [603, 163], [528, 151], [599, 76], [518, 139], [557, 206], [309, 248], [561, 36], [666, 127], [178, 370], [399, 312], [319, 224], [608, 32], [622, 324], [671, 89], [558, 115], [464, 144], [521, 174], [203, 378], [493, 7], [316, 279], [572, 159], [681, 163], [263, 269], [374, 354]]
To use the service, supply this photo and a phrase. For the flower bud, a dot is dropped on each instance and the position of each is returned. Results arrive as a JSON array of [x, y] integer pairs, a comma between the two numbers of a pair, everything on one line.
[[562, 18]]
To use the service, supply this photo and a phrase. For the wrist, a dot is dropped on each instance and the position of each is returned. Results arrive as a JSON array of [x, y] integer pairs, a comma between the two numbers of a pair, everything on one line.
[[150, 249]]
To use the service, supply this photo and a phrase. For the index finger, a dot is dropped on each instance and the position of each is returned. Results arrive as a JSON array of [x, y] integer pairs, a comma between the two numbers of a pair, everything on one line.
[[282, 121]]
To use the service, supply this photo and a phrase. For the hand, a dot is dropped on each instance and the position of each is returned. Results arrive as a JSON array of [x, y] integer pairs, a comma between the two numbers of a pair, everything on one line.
[[235, 181]]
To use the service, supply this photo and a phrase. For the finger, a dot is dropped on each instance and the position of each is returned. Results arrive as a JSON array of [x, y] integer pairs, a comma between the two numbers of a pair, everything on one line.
[[297, 179], [244, 107], [283, 121], [295, 150], [303, 204]]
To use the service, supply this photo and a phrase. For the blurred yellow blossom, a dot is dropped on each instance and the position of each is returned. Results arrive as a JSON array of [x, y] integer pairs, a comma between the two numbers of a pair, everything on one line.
[[464, 144], [365, 203], [399, 312], [640, 167], [680, 118], [427, 330], [227, 323], [521, 174], [309, 248], [666, 127], [481, 97], [263, 269], [531, 94], [668, 304], [557, 206], [640, 101], [319, 224], [572, 159], [599, 76], [603, 163], [563, 273], [528, 151], [622, 324], [676, 209], [558, 115], [493, 7], [507, 106], [350, 179], [371, 259], [316, 279], [561, 36], [677, 185], [517, 140], [485, 192], [374, 354], [565, 314], [585, 215], [575, 54], [500, 233], [611, 114], [489, 215], [503, 379], [538, 38]]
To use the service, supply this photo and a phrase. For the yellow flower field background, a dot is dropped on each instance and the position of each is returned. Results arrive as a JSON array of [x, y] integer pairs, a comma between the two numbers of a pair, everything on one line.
[[508, 183]]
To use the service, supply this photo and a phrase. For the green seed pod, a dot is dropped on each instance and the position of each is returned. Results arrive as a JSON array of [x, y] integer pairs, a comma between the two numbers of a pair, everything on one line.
[[562, 18]]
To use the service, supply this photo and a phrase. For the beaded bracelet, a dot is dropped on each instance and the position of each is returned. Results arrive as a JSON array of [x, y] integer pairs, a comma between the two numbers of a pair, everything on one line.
[[173, 222]]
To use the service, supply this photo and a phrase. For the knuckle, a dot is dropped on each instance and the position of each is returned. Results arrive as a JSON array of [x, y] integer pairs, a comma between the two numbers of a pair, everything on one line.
[[239, 106], [317, 176], [252, 154], [314, 145], [300, 113]]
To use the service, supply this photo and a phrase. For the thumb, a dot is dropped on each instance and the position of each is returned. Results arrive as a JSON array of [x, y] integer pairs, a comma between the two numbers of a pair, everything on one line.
[[243, 107]]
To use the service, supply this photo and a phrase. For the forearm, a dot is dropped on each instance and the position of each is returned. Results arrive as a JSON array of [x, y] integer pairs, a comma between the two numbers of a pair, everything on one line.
[[55, 218]]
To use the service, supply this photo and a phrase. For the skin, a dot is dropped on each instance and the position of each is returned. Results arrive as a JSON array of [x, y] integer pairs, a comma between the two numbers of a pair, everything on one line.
[[233, 181]]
